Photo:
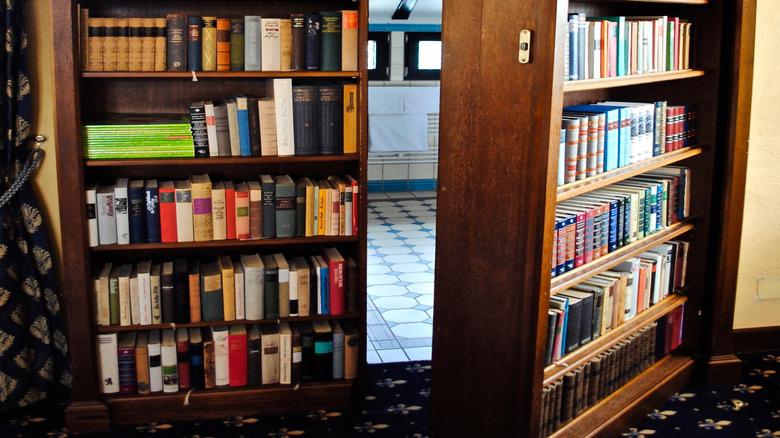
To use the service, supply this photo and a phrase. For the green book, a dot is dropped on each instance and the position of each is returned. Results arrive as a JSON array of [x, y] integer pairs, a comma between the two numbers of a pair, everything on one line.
[[113, 295], [330, 41], [237, 44]]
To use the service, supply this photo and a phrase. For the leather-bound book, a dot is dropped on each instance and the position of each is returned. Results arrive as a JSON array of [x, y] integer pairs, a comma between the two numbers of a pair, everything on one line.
[[135, 45], [193, 288], [84, 38], [196, 358], [285, 44], [349, 40], [313, 30], [183, 358], [109, 44], [569, 390], [237, 44], [269, 206], [176, 49], [96, 36], [142, 362], [168, 293], [331, 119], [284, 200], [253, 355], [148, 44], [305, 119], [181, 282], [253, 110], [211, 291], [125, 352], [160, 44], [209, 359], [209, 44], [298, 32], [194, 43], [330, 41], [136, 199], [243, 212], [255, 211], [152, 201], [271, 288]]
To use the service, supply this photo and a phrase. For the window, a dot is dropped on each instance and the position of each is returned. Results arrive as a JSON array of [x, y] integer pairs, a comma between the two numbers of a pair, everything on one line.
[[423, 56], [379, 56]]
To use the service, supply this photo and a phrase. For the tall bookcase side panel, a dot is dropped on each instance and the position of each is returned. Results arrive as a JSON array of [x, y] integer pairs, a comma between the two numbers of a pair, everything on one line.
[[363, 170]]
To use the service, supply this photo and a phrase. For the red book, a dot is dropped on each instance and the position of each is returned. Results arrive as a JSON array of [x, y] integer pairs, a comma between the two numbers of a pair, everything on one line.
[[183, 357], [126, 359], [168, 212], [336, 281], [355, 204], [237, 355], [640, 296], [230, 209]]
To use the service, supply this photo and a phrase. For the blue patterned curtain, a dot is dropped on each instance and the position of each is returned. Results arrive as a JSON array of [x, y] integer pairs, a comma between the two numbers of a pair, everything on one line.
[[33, 348]]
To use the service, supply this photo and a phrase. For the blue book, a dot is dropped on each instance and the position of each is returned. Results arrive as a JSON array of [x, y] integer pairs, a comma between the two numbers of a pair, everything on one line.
[[324, 287], [556, 268], [152, 211], [242, 112], [194, 43], [612, 134], [573, 47], [562, 303], [136, 201], [571, 221], [625, 123]]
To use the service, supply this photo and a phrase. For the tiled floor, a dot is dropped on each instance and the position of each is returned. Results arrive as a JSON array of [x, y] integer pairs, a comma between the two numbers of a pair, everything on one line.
[[401, 252]]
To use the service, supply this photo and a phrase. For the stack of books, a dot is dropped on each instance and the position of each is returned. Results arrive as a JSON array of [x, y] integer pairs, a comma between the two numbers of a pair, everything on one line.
[[170, 361], [199, 210], [127, 136], [605, 136], [606, 47], [325, 41]]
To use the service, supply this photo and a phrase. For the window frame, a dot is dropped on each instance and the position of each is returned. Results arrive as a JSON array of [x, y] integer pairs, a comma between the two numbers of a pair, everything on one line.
[[411, 55], [382, 70]]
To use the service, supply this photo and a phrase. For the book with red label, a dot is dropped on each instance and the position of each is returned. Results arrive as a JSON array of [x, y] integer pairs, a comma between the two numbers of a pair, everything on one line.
[[335, 280], [167, 212], [242, 211], [230, 209], [126, 359], [237, 355], [355, 204], [183, 357]]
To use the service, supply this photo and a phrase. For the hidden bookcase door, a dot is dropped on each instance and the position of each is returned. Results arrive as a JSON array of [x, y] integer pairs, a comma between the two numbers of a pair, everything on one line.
[[83, 94], [495, 282]]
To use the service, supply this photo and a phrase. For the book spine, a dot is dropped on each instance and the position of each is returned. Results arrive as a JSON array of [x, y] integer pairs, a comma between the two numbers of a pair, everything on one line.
[[168, 216], [137, 214], [313, 30], [84, 38], [270, 294], [92, 220], [330, 41], [196, 365], [218, 214], [237, 44], [223, 44], [285, 358], [349, 40], [126, 367], [305, 120], [271, 44], [331, 119], [155, 368], [243, 214], [109, 364], [209, 44], [211, 298], [350, 102], [184, 225], [285, 210], [242, 115], [285, 44], [203, 226], [134, 44], [183, 364], [254, 126], [160, 44], [109, 44], [221, 361], [142, 369], [237, 359], [252, 61], [96, 36], [176, 43], [298, 41], [147, 44], [300, 210], [269, 213], [194, 43], [199, 129], [152, 215], [170, 371], [121, 214]]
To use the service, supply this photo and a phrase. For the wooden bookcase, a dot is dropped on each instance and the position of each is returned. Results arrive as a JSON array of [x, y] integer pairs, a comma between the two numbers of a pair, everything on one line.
[[93, 93], [500, 124]]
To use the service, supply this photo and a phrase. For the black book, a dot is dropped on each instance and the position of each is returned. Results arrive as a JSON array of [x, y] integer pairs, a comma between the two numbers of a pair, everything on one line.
[[194, 43], [271, 288], [152, 211], [269, 206], [254, 126], [300, 208], [323, 350], [181, 288], [136, 199], [298, 41], [305, 119], [167, 292], [313, 28], [196, 359], [551, 321], [573, 326], [176, 42], [200, 134], [313, 282], [307, 352], [586, 314], [253, 356], [331, 119]]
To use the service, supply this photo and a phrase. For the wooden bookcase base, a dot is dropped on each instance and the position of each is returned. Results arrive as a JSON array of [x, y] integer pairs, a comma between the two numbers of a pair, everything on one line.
[[626, 405], [87, 416], [723, 369]]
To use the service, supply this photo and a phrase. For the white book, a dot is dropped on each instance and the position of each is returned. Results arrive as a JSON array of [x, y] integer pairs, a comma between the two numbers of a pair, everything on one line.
[[254, 278], [211, 128], [155, 294], [293, 287], [121, 212], [348, 205], [285, 354], [105, 215], [109, 363], [170, 371], [238, 288], [281, 91], [316, 265], [267, 115], [252, 43], [235, 138], [135, 298], [125, 312], [221, 368], [92, 220], [184, 228], [145, 292], [269, 350], [155, 362], [218, 213], [100, 286], [271, 44], [283, 269], [594, 42]]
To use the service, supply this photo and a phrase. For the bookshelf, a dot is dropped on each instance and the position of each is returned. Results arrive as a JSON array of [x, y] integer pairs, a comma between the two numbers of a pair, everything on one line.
[[497, 202], [82, 94]]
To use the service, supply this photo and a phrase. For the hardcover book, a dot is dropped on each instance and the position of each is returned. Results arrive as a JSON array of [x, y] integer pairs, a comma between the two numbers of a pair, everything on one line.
[[194, 43], [109, 363], [209, 44], [306, 119], [271, 44], [152, 211], [223, 44], [252, 43], [237, 42], [331, 121], [211, 291], [176, 48], [330, 42], [269, 206]]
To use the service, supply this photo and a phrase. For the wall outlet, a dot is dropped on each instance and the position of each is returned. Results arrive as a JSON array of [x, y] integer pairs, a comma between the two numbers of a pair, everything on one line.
[[768, 288]]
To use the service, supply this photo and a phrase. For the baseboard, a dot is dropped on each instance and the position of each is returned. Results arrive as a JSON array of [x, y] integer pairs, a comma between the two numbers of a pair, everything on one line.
[[401, 185], [723, 369], [89, 416], [757, 339]]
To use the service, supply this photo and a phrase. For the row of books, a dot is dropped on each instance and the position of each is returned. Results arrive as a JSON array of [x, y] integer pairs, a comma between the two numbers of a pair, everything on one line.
[[203, 358], [605, 136], [591, 309], [605, 47], [197, 209], [249, 287], [591, 226], [325, 41], [290, 120]]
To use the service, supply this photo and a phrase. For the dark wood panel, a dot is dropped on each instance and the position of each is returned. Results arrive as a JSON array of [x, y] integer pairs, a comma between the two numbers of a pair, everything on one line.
[[222, 161], [221, 8], [756, 339], [171, 325], [226, 244], [188, 75]]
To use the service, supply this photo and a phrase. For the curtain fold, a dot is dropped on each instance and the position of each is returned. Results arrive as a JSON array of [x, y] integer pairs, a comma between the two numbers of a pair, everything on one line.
[[33, 347]]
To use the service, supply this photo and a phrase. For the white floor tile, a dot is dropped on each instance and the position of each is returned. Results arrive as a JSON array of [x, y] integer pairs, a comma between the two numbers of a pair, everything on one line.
[[426, 300], [416, 277], [378, 269], [419, 353], [402, 258], [380, 203], [387, 242], [409, 267], [431, 257], [420, 241], [386, 290], [405, 315], [395, 302], [425, 194], [413, 234], [372, 196], [374, 260], [372, 357], [405, 227], [425, 249], [395, 355], [421, 288], [390, 250], [399, 195], [381, 279], [413, 330], [381, 235], [394, 214]]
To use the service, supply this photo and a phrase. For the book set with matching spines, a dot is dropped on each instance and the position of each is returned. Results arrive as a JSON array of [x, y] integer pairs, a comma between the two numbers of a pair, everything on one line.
[[609, 135], [593, 225], [319, 41], [583, 387], [181, 359], [250, 287], [585, 312], [606, 47], [198, 209]]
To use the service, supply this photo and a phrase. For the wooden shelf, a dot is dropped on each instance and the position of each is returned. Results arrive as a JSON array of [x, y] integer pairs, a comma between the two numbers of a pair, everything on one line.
[[229, 402], [648, 389], [219, 74], [223, 161], [578, 275], [170, 325], [604, 342], [625, 81], [255, 243], [590, 184], [676, 2]]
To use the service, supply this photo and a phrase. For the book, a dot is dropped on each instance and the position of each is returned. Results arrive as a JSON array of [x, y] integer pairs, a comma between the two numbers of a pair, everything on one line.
[[242, 115], [126, 363], [337, 299], [221, 356], [351, 350], [106, 217], [155, 289], [176, 48], [123, 293], [223, 130], [303, 286], [285, 44], [228, 288], [338, 350], [149, 43], [351, 285], [160, 43], [253, 113], [142, 363], [252, 43], [100, 287], [313, 35], [230, 210], [84, 37], [223, 44], [237, 42], [281, 92], [168, 292], [297, 356], [283, 284], [306, 119], [243, 214], [254, 280], [269, 349], [121, 211], [203, 226], [350, 103], [154, 348], [270, 287], [268, 206], [194, 43], [92, 221], [170, 372], [285, 353], [95, 51], [184, 220], [136, 199], [200, 135], [152, 211], [233, 128], [237, 356], [285, 205], [109, 363], [196, 358], [109, 44], [331, 123], [349, 40], [209, 359], [209, 44], [323, 350], [267, 115], [135, 44], [183, 358], [330, 41], [253, 355], [218, 211], [298, 31], [211, 291], [144, 292], [193, 290], [271, 44], [255, 220], [168, 221], [238, 289]]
